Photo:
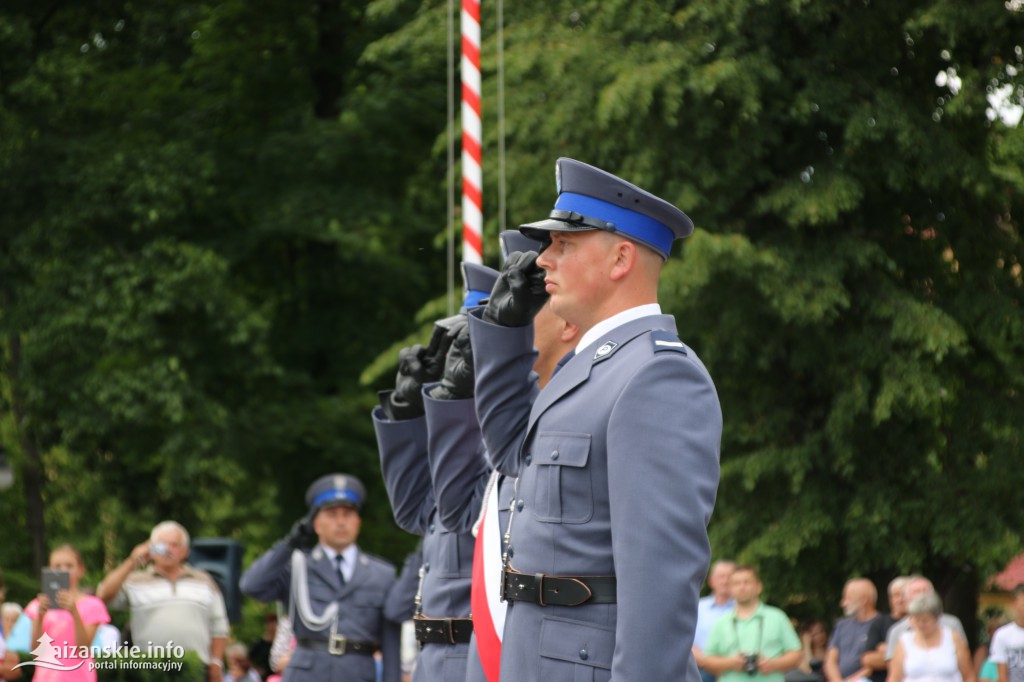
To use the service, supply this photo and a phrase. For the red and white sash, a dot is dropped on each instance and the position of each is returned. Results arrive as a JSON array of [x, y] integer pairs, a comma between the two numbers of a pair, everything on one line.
[[488, 609]]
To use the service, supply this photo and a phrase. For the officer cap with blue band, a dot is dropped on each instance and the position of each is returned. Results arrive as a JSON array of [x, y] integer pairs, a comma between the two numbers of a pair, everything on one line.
[[592, 199], [335, 490], [478, 280], [514, 240]]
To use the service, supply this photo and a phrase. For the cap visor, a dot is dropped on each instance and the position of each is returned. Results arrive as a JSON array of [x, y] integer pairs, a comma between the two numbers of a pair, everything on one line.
[[542, 229]]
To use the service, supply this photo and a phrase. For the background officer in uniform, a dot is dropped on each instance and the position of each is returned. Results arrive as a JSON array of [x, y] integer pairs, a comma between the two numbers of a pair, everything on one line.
[[442, 610], [618, 456], [334, 591]]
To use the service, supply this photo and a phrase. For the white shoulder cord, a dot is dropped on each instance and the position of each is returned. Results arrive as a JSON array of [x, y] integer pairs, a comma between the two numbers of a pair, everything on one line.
[[300, 598]]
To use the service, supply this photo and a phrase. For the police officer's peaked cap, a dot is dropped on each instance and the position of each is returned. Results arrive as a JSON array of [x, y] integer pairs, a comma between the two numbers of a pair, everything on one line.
[[479, 280], [592, 199], [335, 490], [514, 240]]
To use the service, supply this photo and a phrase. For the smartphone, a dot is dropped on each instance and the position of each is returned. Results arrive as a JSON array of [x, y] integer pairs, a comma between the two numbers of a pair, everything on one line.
[[53, 581]]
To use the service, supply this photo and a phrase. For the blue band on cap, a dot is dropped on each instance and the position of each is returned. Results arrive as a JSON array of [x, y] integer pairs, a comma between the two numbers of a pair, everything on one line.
[[473, 298], [329, 495], [643, 227]]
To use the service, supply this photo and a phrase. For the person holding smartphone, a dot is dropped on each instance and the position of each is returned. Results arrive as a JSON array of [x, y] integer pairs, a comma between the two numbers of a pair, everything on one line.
[[69, 621]]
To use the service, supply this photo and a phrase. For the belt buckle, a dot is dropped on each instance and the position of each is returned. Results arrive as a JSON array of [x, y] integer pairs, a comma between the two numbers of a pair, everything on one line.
[[336, 644]]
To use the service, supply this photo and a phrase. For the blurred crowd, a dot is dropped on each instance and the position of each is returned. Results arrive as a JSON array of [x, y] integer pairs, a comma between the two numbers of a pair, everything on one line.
[[168, 600], [740, 639], [173, 607]]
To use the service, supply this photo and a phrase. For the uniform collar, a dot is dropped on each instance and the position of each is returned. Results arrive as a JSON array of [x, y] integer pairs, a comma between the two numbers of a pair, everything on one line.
[[617, 320], [349, 554]]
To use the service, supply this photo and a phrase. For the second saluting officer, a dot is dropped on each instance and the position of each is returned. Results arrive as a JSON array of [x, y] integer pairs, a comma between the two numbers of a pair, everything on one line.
[[335, 592], [404, 433]]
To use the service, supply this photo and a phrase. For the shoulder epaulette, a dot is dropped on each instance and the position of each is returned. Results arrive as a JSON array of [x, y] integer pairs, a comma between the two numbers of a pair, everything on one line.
[[664, 340], [377, 560]]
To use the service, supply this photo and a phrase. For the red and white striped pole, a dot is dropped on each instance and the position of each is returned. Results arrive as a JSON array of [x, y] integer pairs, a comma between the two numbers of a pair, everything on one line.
[[472, 173]]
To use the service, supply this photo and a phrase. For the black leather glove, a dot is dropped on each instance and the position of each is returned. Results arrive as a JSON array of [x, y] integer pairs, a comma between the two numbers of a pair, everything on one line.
[[302, 535], [458, 380], [518, 293], [414, 368]]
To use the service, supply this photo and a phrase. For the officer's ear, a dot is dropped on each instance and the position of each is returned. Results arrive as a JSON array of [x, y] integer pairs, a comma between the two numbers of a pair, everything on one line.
[[570, 332], [624, 259]]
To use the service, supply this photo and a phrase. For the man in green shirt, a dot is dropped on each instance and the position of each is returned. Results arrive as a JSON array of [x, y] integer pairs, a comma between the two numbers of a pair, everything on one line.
[[754, 643]]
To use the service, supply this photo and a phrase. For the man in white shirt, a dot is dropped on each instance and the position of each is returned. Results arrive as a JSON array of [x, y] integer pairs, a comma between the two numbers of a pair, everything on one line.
[[169, 599], [1008, 642], [711, 608]]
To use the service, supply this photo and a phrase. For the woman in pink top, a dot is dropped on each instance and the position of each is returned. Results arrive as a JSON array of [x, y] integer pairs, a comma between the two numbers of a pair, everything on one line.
[[61, 630]]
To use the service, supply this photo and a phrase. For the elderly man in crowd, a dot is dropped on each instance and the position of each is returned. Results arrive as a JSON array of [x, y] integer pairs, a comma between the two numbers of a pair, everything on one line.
[[850, 636], [169, 599], [875, 647], [711, 608], [918, 586]]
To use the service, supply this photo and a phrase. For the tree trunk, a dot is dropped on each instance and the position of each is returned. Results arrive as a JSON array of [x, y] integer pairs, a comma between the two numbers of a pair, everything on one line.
[[328, 65], [32, 470]]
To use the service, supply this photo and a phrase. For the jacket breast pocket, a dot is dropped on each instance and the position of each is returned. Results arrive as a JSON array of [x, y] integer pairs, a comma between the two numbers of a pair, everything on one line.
[[564, 492], [368, 599]]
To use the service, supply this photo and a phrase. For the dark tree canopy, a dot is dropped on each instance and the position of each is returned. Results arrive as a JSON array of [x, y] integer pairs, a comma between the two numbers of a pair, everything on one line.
[[221, 219]]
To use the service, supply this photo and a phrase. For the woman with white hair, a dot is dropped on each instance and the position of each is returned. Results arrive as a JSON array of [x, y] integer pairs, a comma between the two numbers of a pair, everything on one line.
[[930, 651]]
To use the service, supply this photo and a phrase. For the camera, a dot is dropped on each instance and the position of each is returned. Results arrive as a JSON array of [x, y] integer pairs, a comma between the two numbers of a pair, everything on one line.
[[750, 664], [159, 549]]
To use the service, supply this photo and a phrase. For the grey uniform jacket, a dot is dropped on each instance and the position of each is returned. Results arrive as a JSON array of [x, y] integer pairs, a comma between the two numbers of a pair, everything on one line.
[[460, 469], [360, 612], [400, 604], [447, 555], [618, 464]]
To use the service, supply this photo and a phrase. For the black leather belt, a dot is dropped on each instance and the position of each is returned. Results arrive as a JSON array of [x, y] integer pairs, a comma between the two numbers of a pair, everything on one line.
[[557, 590], [337, 645], [443, 630]]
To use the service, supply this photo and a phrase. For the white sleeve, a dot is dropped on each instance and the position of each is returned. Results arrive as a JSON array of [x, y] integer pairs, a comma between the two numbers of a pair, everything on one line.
[[998, 651]]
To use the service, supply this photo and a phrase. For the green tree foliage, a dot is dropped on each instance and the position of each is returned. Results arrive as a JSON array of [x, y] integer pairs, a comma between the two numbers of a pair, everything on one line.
[[199, 255], [855, 283], [220, 218]]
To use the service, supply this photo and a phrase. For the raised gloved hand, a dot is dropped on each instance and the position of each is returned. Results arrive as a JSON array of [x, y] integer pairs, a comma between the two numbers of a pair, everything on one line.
[[458, 380], [302, 535], [416, 366], [519, 292]]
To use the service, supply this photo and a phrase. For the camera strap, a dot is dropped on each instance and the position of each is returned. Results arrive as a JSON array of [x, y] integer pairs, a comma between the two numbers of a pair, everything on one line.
[[760, 632]]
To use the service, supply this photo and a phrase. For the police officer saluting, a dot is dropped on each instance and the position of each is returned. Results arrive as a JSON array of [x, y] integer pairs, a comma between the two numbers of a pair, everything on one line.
[[617, 456], [410, 442], [334, 591]]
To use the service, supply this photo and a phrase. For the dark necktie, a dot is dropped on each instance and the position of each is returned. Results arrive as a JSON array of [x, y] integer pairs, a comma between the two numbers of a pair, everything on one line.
[[341, 575]]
